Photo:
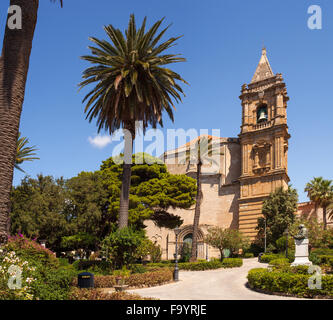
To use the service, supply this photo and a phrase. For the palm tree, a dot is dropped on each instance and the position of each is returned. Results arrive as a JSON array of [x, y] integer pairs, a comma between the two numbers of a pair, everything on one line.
[[14, 65], [197, 154], [23, 152], [330, 209], [132, 85], [320, 191]]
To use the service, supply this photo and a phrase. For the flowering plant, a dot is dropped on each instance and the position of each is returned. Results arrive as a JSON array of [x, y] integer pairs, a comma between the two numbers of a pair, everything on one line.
[[16, 277]]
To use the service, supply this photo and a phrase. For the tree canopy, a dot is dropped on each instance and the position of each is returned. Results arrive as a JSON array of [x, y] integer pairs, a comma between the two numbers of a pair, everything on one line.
[[279, 211], [88, 204]]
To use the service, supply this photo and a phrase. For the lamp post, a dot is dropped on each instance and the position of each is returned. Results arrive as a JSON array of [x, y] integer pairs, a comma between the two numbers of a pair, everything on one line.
[[176, 271], [286, 233], [265, 234]]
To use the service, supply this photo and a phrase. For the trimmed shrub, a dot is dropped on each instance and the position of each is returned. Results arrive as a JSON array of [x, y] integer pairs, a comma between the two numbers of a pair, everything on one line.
[[201, 265], [138, 268], [232, 262], [268, 257], [279, 262], [325, 259], [248, 255], [136, 280], [213, 264], [277, 281], [322, 251]]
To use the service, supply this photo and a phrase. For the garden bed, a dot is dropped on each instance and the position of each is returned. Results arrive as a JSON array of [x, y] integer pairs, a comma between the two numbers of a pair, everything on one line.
[[98, 294], [291, 282], [136, 280]]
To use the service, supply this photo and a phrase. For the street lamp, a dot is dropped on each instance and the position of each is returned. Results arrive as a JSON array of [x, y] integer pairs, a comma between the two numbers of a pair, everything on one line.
[[265, 234], [176, 271], [286, 233]]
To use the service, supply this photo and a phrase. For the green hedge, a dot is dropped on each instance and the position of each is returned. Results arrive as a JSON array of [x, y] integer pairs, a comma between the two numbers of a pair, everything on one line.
[[202, 264], [288, 282], [268, 257], [279, 262], [137, 280]]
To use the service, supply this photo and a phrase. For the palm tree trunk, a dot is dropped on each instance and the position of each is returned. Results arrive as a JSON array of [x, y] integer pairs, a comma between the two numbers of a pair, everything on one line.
[[196, 215], [14, 65], [325, 216], [126, 181]]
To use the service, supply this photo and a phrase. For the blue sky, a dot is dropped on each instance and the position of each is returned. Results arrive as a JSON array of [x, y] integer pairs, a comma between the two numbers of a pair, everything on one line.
[[222, 44]]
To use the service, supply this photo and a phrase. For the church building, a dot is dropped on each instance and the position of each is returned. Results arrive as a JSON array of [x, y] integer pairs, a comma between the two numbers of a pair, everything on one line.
[[251, 166]]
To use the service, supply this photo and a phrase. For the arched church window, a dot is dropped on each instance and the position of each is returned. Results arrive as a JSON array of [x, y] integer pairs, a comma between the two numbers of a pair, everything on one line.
[[262, 114]]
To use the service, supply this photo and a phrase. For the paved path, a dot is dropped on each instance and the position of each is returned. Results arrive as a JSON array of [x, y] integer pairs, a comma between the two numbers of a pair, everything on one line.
[[221, 284]]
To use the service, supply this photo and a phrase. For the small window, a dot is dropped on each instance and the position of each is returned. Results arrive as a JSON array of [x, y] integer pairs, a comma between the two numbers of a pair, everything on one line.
[[262, 114]]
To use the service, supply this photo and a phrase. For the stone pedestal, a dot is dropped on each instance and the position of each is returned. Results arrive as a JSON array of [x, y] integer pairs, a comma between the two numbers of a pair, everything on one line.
[[302, 253]]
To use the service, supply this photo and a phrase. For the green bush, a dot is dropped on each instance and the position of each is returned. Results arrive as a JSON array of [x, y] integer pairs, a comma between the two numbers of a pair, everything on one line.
[[232, 262], [45, 279], [213, 264], [248, 255], [94, 266], [320, 255], [137, 280], [277, 281], [268, 257], [63, 262], [279, 262], [201, 265], [325, 259], [54, 284], [32, 251], [138, 268], [122, 246], [186, 251], [281, 243], [255, 248]]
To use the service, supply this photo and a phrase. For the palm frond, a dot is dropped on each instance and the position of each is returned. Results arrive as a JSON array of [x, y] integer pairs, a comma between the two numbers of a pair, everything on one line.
[[24, 152], [130, 80]]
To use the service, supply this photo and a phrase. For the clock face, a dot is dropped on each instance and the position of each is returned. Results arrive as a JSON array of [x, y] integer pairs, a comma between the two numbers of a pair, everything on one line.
[[262, 114]]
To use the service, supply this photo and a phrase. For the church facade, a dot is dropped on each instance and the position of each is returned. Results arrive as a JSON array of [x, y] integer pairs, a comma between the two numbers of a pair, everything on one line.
[[251, 166]]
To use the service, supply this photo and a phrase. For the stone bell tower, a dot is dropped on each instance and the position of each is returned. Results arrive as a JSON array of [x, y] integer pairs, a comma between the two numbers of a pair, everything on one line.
[[264, 143]]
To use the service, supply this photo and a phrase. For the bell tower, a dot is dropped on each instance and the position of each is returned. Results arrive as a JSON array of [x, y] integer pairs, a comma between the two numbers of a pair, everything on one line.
[[264, 143]]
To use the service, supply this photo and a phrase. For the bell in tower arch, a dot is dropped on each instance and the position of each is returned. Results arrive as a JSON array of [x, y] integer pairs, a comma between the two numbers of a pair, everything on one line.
[[262, 115]]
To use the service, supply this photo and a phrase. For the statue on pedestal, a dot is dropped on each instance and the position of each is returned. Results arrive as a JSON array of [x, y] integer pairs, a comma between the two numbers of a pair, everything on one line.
[[302, 247]]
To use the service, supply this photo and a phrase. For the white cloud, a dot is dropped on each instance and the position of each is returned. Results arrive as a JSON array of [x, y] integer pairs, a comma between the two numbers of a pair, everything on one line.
[[100, 141]]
